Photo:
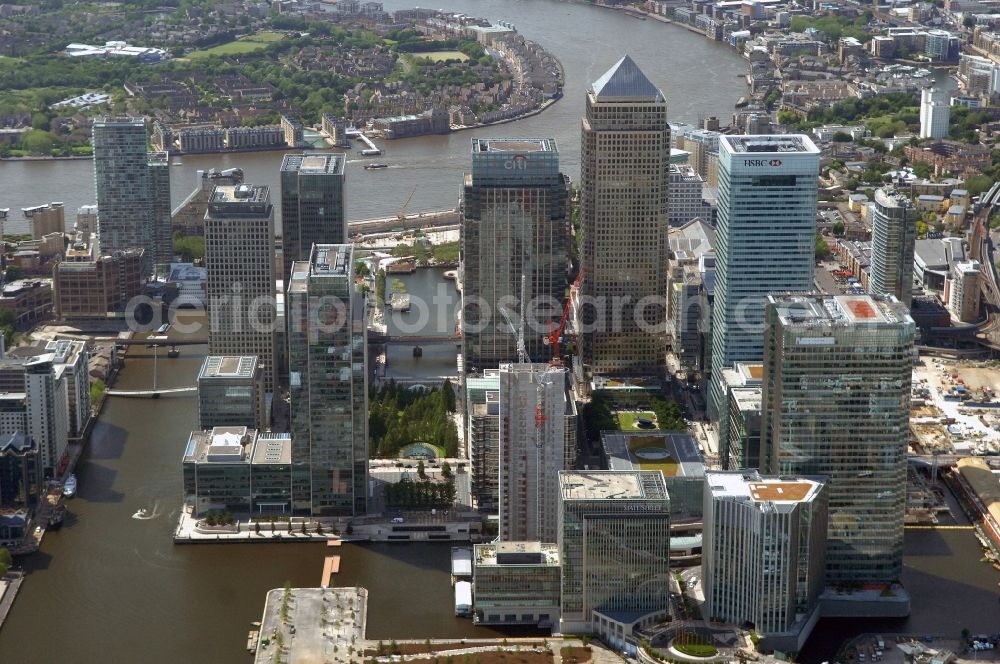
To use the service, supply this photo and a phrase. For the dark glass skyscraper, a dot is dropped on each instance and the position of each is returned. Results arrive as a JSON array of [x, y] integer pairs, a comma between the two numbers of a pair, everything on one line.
[[837, 373], [327, 385], [514, 225], [132, 211], [312, 205]]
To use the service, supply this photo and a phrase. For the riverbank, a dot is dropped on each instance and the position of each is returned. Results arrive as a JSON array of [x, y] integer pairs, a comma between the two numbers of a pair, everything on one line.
[[72, 157], [9, 587], [635, 11], [545, 105], [262, 149]]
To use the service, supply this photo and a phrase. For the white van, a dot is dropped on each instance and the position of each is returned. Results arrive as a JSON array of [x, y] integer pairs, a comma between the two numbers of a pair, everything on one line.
[[397, 519]]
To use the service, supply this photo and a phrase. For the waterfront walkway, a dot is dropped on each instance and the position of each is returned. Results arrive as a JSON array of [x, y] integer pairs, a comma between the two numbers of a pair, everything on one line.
[[9, 588]]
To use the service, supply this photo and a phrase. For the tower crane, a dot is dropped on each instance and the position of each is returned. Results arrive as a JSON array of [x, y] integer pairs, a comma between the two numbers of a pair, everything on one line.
[[518, 330], [554, 337], [401, 215]]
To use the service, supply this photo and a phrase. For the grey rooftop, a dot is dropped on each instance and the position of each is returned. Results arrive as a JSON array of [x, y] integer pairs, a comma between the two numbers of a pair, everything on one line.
[[625, 81]]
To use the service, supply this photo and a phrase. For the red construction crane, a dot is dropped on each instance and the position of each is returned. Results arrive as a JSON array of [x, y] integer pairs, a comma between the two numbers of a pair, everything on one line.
[[555, 334]]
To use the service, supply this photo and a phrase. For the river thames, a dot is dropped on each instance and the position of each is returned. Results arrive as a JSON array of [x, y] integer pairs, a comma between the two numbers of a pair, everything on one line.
[[700, 78]]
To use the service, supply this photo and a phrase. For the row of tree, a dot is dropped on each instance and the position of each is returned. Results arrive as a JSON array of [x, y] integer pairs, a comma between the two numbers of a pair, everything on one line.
[[422, 494]]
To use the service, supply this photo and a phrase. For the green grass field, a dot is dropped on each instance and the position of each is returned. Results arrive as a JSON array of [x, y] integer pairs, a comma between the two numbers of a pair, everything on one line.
[[241, 46], [627, 420], [440, 56]]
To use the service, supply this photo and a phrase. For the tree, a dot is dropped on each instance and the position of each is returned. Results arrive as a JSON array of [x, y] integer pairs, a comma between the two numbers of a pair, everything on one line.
[[446, 470], [37, 141], [841, 137], [822, 250], [838, 229], [6, 560], [977, 184], [421, 471], [380, 286], [256, 527], [449, 395], [921, 169]]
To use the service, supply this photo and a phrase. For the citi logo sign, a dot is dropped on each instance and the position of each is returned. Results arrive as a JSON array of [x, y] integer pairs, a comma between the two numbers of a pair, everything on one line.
[[762, 162], [516, 163]]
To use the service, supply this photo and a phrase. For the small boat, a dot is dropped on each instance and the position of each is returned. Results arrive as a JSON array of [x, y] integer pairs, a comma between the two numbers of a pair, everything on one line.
[[373, 166], [56, 517], [418, 351], [69, 486]]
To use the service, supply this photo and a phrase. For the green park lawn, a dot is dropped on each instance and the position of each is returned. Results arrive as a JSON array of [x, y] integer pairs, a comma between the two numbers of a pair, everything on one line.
[[627, 420], [241, 46]]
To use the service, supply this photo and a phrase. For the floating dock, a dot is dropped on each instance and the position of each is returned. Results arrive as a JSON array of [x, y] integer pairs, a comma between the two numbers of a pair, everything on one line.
[[330, 567]]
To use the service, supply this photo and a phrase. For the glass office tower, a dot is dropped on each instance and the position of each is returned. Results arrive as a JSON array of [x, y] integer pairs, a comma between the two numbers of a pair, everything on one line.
[[312, 205], [327, 385], [836, 402], [614, 543], [765, 242], [514, 227]]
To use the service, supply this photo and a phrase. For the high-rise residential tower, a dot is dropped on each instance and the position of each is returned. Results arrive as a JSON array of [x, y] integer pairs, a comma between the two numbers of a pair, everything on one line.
[[614, 543], [765, 242], [537, 440], [514, 230], [763, 553], [894, 236], [327, 385], [130, 186], [836, 402], [312, 205], [162, 246], [239, 259], [934, 113], [47, 396], [624, 171]]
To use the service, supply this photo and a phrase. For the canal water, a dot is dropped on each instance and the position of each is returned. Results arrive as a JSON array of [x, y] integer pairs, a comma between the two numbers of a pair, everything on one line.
[[434, 304], [700, 78], [111, 587]]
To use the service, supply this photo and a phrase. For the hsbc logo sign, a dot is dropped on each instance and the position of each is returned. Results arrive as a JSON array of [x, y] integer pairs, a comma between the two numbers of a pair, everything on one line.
[[773, 163]]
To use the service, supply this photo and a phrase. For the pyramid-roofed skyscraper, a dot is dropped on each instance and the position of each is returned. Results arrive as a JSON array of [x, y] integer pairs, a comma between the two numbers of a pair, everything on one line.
[[624, 175]]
